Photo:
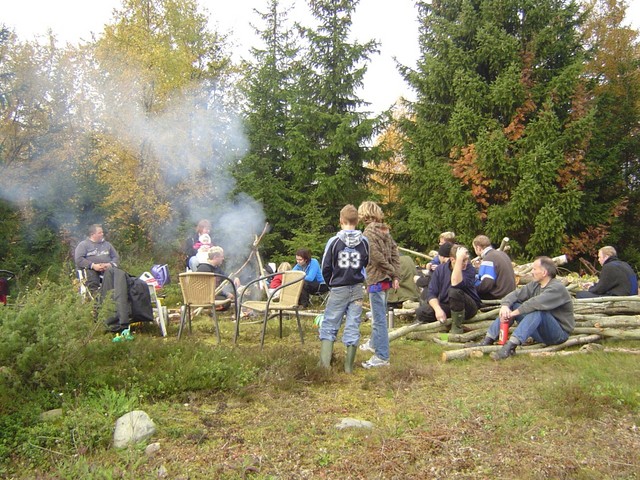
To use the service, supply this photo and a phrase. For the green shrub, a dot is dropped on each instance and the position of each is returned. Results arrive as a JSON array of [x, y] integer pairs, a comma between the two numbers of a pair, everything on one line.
[[53, 355], [42, 340], [86, 425], [160, 369]]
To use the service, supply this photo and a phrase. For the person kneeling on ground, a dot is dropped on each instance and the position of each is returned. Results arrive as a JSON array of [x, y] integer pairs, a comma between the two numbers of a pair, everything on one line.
[[452, 290], [543, 310]]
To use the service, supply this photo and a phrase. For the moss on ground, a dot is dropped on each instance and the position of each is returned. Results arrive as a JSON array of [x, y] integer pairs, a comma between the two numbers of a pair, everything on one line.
[[532, 418]]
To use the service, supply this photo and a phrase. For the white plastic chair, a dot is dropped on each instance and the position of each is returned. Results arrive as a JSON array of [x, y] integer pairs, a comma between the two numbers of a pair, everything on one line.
[[160, 311]]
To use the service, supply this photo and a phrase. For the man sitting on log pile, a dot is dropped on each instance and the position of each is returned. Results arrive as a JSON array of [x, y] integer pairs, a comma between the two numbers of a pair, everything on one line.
[[495, 278], [543, 310], [452, 289], [617, 278]]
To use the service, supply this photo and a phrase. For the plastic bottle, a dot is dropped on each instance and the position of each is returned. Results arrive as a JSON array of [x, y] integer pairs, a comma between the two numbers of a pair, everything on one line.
[[504, 333]]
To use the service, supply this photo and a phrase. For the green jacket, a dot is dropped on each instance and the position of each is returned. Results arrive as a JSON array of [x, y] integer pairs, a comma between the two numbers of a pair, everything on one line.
[[408, 290]]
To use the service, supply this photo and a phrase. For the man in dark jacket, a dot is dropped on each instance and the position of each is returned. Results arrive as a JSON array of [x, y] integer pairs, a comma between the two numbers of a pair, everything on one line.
[[617, 278], [452, 290]]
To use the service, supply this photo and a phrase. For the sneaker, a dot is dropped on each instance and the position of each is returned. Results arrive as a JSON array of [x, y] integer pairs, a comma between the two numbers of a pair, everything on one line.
[[366, 347], [374, 362]]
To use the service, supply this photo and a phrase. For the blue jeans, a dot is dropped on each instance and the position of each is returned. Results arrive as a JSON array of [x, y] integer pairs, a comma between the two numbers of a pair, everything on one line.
[[379, 332], [539, 325], [343, 301]]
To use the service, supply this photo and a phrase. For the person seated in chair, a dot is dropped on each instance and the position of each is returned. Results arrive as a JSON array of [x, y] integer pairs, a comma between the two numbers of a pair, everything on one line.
[[313, 281], [276, 281], [214, 265], [95, 256]]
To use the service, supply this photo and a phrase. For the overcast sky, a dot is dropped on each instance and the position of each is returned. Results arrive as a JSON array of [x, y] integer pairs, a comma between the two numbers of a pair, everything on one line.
[[392, 22]]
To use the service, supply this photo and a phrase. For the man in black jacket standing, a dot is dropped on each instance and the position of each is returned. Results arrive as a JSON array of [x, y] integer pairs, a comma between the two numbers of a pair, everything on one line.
[[617, 278]]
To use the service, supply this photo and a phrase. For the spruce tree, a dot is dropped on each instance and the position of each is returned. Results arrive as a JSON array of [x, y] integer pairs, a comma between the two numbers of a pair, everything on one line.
[[265, 172], [612, 188], [327, 133], [308, 139], [501, 123]]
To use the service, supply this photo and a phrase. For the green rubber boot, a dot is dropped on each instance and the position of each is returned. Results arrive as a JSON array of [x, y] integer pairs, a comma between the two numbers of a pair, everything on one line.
[[350, 358], [326, 351], [456, 322]]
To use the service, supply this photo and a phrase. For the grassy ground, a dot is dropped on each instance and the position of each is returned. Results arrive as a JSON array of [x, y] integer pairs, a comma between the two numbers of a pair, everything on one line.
[[572, 417]]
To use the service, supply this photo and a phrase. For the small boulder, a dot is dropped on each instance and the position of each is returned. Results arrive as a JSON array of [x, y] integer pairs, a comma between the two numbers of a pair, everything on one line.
[[133, 427], [353, 423], [152, 449]]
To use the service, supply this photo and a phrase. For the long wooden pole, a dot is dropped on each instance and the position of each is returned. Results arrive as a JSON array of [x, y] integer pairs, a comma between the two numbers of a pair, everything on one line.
[[413, 252]]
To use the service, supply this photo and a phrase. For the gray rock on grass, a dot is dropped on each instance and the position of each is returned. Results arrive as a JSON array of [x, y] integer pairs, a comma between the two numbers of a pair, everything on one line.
[[133, 427]]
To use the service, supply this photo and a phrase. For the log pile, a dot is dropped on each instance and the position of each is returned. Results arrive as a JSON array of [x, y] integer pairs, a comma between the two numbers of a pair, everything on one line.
[[596, 319]]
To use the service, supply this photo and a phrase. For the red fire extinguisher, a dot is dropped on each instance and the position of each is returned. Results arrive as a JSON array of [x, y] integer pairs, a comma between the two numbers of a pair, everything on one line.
[[504, 333]]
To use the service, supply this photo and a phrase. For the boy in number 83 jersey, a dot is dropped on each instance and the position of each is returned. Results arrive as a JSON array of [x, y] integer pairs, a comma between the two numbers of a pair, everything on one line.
[[345, 257]]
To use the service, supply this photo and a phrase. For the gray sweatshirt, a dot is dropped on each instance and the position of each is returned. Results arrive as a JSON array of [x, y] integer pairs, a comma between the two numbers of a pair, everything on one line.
[[88, 252], [553, 298]]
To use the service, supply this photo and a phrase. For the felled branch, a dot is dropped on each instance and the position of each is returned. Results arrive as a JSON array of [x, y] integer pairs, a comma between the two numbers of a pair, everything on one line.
[[468, 352]]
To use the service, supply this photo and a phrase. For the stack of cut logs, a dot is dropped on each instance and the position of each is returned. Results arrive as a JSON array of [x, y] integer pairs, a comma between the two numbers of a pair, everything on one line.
[[596, 319]]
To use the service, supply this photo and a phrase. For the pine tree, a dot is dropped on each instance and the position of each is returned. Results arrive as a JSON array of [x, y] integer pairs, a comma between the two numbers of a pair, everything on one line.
[[308, 139], [502, 122], [327, 134], [265, 172]]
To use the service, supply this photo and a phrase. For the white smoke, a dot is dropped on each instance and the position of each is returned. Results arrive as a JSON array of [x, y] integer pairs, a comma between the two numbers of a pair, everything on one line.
[[197, 135]]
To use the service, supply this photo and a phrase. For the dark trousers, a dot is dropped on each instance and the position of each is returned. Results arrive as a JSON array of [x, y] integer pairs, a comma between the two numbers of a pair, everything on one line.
[[93, 281], [115, 285], [587, 294], [458, 301], [311, 288]]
